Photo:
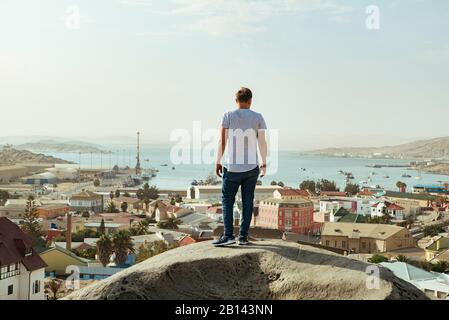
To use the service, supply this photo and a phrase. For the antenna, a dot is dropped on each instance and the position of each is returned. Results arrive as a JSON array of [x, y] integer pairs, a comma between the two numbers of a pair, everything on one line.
[[138, 168]]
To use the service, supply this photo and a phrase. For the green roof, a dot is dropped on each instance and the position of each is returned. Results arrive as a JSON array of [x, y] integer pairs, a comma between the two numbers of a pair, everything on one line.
[[350, 217], [341, 212], [409, 195]]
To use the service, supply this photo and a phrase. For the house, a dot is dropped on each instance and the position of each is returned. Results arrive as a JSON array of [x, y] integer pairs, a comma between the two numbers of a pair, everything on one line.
[[366, 238], [295, 215], [41, 179], [440, 190], [52, 211], [86, 201], [46, 209], [58, 259], [215, 213], [186, 240], [333, 194], [353, 204], [366, 193], [380, 209], [213, 193], [431, 283], [165, 211], [437, 247], [134, 204], [110, 228], [291, 194], [22, 271], [411, 202]]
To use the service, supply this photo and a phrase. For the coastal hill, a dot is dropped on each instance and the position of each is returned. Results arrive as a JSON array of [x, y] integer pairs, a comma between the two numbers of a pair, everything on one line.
[[56, 146], [11, 156], [437, 148], [272, 269]]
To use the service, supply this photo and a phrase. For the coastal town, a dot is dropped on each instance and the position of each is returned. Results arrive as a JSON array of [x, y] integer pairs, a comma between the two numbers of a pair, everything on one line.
[[63, 228]]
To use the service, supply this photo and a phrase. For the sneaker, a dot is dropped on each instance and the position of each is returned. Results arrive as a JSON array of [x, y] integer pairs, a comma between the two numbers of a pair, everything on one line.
[[243, 241], [224, 241]]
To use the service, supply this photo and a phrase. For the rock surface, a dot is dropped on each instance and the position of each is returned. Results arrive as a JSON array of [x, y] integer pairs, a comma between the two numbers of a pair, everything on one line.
[[264, 270]]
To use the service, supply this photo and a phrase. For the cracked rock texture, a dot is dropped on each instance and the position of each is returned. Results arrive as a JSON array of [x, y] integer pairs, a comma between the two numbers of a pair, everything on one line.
[[263, 270]]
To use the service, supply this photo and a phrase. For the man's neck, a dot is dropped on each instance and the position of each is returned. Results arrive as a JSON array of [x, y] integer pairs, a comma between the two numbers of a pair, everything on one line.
[[243, 106]]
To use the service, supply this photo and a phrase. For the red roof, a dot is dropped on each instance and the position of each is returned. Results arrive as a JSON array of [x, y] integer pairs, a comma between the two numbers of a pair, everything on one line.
[[215, 210], [393, 206], [14, 244], [376, 205], [365, 192], [293, 192]]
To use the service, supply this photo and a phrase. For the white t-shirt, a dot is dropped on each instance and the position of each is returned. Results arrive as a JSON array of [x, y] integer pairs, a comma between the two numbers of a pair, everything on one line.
[[241, 151]]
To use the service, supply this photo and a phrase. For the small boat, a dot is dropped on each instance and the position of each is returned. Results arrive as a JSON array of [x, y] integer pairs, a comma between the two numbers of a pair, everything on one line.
[[387, 177], [405, 175], [341, 172], [173, 168], [164, 165]]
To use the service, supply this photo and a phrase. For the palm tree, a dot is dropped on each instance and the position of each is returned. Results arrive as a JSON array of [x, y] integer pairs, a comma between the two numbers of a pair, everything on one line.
[[124, 206], [122, 244], [52, 288], [102, 228], [104, 249], [402, 258], [147, 194], [140, 228], [111, 207], [377, 258], [440, 266], [401, 186]]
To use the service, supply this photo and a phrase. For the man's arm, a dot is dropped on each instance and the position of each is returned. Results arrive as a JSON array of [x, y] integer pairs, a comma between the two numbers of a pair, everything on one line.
[[263, 151], [221, 149]]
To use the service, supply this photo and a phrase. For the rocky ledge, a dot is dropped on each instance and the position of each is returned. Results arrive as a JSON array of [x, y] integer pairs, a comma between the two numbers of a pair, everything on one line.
[[264, 270]]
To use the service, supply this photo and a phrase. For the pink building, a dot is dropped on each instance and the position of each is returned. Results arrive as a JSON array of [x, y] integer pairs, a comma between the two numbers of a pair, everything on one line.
[[293, 214]]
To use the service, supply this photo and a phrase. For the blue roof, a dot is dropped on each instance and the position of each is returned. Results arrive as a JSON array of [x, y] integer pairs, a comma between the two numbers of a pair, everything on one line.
[[428, 186]]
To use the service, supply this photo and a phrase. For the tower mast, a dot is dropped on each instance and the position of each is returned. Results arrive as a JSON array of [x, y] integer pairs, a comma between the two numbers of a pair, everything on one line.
[[138, 168]]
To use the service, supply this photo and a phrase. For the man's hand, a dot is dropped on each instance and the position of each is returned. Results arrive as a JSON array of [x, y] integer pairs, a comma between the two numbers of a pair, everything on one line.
[[263, 170], [219, 169]]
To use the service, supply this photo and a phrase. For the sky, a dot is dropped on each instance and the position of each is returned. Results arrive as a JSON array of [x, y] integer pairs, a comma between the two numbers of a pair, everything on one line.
[[320, 75]]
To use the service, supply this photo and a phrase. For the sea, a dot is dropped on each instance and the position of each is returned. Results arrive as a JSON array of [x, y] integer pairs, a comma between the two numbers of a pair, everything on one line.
[[293, 168]]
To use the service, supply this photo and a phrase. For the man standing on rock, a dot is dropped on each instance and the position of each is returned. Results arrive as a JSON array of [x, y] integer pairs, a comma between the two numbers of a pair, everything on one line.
[[242, 130]]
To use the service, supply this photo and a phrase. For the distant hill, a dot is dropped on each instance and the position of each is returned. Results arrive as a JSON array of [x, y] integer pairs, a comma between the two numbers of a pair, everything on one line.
[[437, 148], [11, 156], [56, 146]]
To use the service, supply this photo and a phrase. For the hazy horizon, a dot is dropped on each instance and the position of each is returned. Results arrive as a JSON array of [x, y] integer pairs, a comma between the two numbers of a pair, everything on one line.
[[318, 74]]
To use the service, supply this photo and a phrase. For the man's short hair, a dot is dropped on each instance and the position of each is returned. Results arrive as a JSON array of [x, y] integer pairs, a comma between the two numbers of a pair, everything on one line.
[[244, 95]]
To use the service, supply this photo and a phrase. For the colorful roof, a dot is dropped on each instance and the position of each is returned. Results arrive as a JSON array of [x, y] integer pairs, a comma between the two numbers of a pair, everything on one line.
[[393, 206], [16, 246]]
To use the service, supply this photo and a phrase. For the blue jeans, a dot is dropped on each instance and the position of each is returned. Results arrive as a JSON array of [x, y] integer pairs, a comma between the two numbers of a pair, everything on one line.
[[231, 183]]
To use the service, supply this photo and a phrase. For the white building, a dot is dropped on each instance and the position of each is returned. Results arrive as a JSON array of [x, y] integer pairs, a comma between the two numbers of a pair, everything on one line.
[[213, 193], [22, 271], [432, 283], [356, 205], [379, 209], [86, 201]]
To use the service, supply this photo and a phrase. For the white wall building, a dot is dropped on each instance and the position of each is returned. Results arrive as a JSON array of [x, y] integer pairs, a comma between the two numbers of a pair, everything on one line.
[[22, 271]]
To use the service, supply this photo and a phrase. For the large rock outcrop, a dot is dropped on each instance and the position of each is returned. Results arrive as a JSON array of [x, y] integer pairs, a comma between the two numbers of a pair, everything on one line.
[[264, 270]]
